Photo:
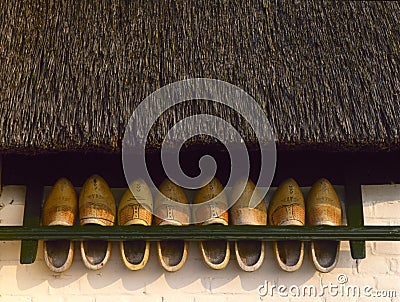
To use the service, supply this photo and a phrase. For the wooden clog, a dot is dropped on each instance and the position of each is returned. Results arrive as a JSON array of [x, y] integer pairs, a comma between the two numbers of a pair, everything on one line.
[[324, 208], [59, 208], [172, 254], [135, 208], [210, 207], [249, 254], [287, 208], [96, 206]]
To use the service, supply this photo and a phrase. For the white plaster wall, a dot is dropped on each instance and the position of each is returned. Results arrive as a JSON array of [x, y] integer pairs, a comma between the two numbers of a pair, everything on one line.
[[196, 282]]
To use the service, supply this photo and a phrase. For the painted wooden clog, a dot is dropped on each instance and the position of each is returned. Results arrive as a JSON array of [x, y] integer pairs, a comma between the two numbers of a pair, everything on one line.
[[172, 254], [210, 207], [249, 254], [60, 208], [96, 206], [287, 208], [135, 208], [324, 208]]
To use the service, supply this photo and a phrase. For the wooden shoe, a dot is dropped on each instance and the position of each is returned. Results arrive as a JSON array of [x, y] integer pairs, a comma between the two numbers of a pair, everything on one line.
[[249, 254], [135, 208], [324, 208], [96, 206], [172, 254], [287, 208], [210, 210], [59, 208]]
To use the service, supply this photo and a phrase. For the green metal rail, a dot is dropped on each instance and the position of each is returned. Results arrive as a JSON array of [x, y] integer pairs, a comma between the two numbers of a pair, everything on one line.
[[196, 233]]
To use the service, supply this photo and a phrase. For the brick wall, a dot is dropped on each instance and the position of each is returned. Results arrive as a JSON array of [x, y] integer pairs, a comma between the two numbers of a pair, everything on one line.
[[195, 282]]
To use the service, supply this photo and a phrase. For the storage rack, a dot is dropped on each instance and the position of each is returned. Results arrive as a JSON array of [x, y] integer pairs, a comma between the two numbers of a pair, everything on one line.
[[355, 231]]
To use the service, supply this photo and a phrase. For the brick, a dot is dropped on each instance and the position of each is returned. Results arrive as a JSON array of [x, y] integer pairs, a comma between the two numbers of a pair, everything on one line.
[[24, 280], [386, 248], [305, 275], [47, 299], [346, 264], [225, 283], [64, 284], [369, 211], [386, 294], [390, 282], [374, 299], [373, 265], [11, 215], [381, 221], [128, 298], [326, 298], [380, 193], [13, 199], [274, 298], [394, 265], [369, 245], [178, 298], [101, 282], [8, 250], [213, 298], [389, 209], [187, 282], [79, 298], [374, 194], [352, 280], [14, 195], [15, 299]]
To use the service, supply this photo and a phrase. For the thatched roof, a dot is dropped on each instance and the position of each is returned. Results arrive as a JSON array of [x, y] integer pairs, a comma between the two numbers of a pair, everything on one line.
[[327, 74]]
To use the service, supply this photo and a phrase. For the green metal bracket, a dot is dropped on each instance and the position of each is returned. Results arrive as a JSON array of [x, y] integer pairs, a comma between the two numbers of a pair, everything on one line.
[[34, 194], [355, 214]]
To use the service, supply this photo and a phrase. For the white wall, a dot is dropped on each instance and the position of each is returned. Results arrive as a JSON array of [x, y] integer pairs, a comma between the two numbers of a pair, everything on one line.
[[196, 282]]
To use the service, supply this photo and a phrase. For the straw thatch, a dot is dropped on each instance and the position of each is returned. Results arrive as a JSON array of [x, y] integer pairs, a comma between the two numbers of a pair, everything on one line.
[[327, 74]]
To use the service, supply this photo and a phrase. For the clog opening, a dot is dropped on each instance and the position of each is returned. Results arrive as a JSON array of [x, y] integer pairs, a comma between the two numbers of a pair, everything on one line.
[[172, 251], [249, 251], [57, 252], [134, 250], [326, 252], [95, 250], [289, 251], [215, 250]]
